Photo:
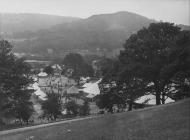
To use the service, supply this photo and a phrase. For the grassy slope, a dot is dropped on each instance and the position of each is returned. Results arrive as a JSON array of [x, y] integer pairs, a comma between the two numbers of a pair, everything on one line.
[[166, 122]]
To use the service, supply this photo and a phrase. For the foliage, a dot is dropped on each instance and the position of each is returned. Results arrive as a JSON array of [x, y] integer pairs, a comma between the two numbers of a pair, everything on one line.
[[108, 100], [89, 58], [23, 110], [72, 108], [119, 86], [155, 61], [14, 81], [131, 89], [48, 69], [104, 66], [179, 69], [147, 55], [80, 67], [52, 107], [84, 109]]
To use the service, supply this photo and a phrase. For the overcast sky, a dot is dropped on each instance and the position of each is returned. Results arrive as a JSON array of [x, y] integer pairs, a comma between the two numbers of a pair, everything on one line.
[[176, 11]]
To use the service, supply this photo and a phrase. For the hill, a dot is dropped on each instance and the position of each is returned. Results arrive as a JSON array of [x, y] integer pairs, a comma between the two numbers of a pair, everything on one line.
[[98, 33], [11, 23], [164, 122], [45, 35]]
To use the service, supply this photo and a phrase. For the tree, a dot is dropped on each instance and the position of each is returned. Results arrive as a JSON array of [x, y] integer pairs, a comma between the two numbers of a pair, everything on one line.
[[179, 69], [131, 87], [48, 69], [120, 86], [109, 99], [80, 67], [52, 107], [84, 109], [72, 108], [6, 61], [14, 82], [104, 65], [110, 88], [23, 111], [148, 51], [155, 61]]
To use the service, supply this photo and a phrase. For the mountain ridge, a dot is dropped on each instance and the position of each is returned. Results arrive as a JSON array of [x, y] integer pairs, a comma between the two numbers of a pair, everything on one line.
[[19, 22], [97, 34]]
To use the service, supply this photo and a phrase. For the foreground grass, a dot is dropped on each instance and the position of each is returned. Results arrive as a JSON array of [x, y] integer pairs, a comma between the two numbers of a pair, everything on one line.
[[165, 122]]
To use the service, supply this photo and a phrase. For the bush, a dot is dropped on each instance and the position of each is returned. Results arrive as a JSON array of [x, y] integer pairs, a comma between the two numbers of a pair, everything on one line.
[[72, 108], [84, 109], [52, 106]]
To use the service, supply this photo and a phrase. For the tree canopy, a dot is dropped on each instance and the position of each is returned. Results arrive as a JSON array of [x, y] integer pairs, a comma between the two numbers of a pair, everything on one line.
[[155, 61], [148, 53], [80, 67], [52, 107], [14, 82], [49, 70]]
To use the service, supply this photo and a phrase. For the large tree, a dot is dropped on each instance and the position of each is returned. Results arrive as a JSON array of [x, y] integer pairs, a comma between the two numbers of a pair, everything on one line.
[[149, 51], [49, 70], [120, 86], [14, 82], [178, 71], [155, 61], [80, 68]]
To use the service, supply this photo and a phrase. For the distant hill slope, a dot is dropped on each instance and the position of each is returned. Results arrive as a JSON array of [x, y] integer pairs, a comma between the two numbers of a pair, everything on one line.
[[164, 122], [99, 32], [11, 23]]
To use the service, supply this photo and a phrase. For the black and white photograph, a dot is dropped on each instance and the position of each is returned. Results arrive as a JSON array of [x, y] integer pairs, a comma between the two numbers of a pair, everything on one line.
[[94, 69]]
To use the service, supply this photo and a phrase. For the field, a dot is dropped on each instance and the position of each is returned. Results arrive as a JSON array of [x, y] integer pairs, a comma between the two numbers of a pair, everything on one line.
[[164, 122]]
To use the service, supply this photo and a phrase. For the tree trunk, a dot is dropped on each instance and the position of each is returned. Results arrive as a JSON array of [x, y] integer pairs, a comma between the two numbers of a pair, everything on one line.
[[158, 93], [130, 105], [163, 97], [158, 98]]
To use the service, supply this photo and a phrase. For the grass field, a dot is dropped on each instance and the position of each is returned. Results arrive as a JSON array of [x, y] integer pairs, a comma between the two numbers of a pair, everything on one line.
[[165, 122]]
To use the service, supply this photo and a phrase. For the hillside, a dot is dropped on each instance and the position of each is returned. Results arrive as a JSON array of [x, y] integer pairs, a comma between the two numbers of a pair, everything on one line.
[[164, 122], [45, 35], [11, 23], [97, 33]]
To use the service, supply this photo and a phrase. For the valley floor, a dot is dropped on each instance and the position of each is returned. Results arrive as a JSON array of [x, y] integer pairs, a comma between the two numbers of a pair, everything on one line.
[[164, 122]]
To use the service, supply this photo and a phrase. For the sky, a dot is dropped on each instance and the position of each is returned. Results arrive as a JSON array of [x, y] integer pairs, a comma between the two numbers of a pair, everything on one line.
[[176, 11]]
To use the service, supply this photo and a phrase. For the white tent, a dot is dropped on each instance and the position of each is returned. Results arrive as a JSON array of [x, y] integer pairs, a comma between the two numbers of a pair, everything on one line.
[[91, 88], [38, 91], [72, 90], [42, 74], [151, 99]]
